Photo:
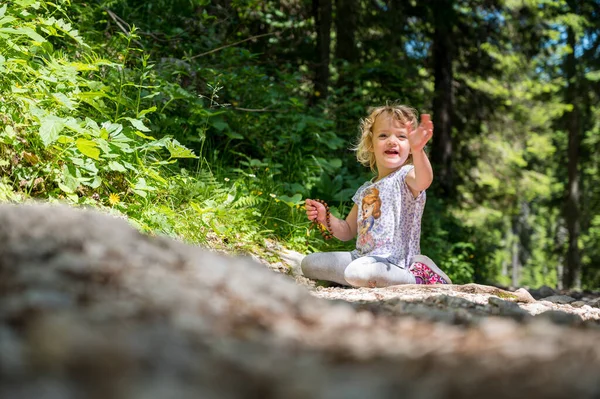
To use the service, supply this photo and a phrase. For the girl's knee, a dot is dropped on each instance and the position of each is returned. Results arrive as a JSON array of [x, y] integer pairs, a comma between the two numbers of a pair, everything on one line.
[[357, 275], [371, 273]]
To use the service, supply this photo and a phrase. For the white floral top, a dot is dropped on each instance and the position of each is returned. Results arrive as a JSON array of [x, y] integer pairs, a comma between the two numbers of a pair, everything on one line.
[[389, 219]]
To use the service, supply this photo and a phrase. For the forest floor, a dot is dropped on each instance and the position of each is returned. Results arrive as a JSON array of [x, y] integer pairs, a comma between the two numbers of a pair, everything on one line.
[[456, 304], [91, 308]]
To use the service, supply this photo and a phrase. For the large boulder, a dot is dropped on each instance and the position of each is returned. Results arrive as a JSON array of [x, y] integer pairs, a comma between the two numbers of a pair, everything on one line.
[[91, 308]]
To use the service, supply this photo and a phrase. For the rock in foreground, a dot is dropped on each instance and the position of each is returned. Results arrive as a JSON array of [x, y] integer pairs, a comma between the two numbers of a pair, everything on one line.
[[91, 308]]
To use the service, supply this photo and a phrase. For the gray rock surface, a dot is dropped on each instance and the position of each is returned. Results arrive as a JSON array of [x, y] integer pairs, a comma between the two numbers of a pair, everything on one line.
[[562, 299], [545, 291], [594, 303], [90, 308]]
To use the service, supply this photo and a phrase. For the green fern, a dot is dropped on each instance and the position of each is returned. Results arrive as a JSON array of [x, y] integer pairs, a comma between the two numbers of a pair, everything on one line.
[[247, 201]]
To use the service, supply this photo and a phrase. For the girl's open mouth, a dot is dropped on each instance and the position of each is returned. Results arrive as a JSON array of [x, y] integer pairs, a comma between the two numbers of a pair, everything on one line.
[[392, 152]]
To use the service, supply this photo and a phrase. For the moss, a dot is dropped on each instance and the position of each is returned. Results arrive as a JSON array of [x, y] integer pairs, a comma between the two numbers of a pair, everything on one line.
[[506, 295]]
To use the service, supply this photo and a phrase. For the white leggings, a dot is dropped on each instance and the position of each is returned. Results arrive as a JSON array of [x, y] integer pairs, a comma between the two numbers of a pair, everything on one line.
[[365, 271]]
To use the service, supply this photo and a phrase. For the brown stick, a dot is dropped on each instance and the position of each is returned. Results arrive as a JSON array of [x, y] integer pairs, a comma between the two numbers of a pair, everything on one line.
[[118, 21], [520, 295], [230, 45], [252, 110]]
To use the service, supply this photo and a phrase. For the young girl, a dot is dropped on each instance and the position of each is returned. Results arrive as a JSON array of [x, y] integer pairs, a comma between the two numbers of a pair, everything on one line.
[[387, 209]]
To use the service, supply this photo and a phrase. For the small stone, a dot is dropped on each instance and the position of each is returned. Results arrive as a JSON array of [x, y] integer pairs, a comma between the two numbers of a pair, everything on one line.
[[595, 303], [577, 304], [560, 299], [546, 291], [577, 295], [524, 296]]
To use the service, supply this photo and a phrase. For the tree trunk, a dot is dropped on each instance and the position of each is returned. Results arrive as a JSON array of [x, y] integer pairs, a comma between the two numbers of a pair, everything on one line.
[[516, 265], [508, 239], [398, 11], [572, 271], [322, 16], [346, 53], [443, 17]]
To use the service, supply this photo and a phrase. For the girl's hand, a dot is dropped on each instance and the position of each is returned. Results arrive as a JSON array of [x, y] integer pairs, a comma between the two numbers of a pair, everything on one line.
[[421, 135], [315, 210]]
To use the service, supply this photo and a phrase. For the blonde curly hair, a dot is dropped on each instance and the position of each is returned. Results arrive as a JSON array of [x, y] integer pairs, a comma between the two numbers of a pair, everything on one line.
[[363, 149]]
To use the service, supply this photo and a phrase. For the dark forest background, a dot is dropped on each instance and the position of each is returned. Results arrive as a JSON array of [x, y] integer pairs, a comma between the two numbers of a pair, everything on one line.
[[212, 121]]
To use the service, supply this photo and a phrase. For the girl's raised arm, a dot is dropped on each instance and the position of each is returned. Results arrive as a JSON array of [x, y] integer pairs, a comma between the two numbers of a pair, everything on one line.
[[421, 176]]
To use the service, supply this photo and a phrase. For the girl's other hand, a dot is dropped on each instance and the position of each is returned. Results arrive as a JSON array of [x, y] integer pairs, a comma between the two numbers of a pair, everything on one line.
[[419, 137], [315, 210]]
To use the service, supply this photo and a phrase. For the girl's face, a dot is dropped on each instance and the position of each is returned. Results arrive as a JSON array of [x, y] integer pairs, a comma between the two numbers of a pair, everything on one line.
[[390, 144], [368, 210]]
